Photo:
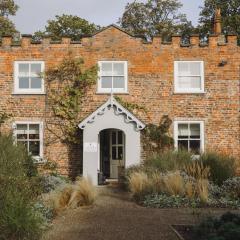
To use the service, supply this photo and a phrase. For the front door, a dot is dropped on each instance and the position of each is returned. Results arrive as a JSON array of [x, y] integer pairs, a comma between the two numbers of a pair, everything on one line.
[[117, 151]]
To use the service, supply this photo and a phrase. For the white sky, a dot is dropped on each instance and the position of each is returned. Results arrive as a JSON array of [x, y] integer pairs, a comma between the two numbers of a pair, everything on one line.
[[33, 14]]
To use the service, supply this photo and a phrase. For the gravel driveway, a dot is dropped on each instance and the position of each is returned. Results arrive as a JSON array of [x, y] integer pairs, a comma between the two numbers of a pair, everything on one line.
[[115, 217]]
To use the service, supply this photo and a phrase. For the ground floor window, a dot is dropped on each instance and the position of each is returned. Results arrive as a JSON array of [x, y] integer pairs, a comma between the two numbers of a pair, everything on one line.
[[189, 135], [30, 135]]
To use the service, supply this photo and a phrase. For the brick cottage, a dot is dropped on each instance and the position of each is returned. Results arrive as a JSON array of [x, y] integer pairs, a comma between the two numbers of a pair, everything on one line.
[[196, 85]]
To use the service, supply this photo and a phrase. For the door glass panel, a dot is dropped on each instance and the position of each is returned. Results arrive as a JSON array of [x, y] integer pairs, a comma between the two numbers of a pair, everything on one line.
[[114, 137], [120, 138], [114, 153], [120, 153]]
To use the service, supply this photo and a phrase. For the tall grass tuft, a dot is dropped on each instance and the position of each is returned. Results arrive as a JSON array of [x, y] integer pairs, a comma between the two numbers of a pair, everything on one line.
[[197, 170], [138, 184], [174, 183]]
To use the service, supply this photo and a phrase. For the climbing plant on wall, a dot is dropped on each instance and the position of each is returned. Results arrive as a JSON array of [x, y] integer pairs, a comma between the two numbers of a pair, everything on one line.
[[67, 86], [156, 138]]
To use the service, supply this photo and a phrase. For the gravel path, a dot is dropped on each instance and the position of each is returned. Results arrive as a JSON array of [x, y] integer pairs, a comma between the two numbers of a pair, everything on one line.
[[115, 217]]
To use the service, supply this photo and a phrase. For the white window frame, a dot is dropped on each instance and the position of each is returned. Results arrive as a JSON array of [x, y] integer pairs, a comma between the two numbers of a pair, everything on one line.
[[38, 159], [202, 142], [17, 90], [188, 90], [114, 90]]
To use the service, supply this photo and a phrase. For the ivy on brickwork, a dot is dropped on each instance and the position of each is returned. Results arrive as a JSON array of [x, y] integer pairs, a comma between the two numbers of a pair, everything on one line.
[[3, 118], [155, 137], [68, 84]]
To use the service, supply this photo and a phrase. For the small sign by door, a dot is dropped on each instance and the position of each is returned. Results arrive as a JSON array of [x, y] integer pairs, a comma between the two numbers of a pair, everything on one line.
[[90, 147]]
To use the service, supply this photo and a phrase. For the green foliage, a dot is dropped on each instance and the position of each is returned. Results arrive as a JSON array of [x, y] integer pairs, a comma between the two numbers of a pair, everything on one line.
[[67, 25], [18, 190], [68, 84], [225, 228], [230, 11], [221, 166], [156, 138], [169, 160], [155, 17], [166, 201], [7, 8], [231, 187]]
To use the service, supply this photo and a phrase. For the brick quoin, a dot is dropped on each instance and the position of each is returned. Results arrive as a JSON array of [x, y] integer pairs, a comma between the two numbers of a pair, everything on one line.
[[150, 84]]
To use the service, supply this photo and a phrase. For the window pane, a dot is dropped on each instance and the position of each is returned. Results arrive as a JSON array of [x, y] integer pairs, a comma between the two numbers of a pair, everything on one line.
[[34, 131], [35, 69], [118, 82], [195, 130], [189, 82], [23, 82], [183, 131], [36, 82], [106, 69], [183, 69], [195, 146], [195, 68], [118, 69], [23, 69], [120, 153], [196, 82], [106, 82], [114, 153], [114, 138], [34, 148], [22, 131], [183, 144], [120, 138]]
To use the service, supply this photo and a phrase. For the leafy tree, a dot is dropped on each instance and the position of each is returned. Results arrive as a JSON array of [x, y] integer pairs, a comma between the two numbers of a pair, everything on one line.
[[155, 17], [67, 25], [7, 8], [230, 11]]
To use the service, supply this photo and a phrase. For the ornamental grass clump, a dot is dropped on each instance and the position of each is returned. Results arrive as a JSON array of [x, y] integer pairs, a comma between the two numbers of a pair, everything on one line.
[[80, 193], [139, 184]]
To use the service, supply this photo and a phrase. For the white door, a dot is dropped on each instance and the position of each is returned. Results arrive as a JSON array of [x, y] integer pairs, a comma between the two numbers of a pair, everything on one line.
[[117, 152]]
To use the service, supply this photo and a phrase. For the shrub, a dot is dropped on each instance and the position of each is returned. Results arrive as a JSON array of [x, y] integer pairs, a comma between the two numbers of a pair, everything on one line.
[[221, 166], [169, 161], [18, 191], [225, 228], [231, 187]]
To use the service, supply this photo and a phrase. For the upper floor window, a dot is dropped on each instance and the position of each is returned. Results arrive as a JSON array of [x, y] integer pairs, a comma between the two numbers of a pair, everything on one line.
[[113, 77], [27, 77], [189, 135], [30, 134], [189, 76]]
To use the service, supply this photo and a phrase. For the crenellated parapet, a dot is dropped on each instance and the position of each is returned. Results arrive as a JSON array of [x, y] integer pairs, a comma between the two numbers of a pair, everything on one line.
[[176, 40]]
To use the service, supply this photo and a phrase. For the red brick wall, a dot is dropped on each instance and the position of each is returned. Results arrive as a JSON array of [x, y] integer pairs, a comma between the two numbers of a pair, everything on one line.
[[150, 84]]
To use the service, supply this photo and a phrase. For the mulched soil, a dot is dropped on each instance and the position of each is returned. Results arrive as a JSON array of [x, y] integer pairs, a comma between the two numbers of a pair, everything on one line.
[[115, 217]]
